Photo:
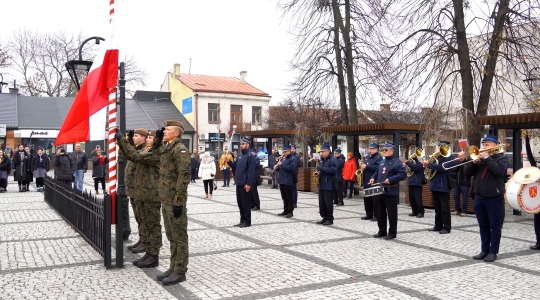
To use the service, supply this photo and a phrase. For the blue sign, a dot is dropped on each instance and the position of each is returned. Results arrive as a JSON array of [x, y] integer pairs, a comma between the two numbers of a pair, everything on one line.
[[187, 106]]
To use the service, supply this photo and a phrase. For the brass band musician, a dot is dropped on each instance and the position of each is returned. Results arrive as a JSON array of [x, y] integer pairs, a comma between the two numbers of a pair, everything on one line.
[[415, 181]]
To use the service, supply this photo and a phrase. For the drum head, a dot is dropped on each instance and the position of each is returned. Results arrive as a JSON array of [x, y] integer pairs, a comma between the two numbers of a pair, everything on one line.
[[526, 175], [513, 193], [530, 200]]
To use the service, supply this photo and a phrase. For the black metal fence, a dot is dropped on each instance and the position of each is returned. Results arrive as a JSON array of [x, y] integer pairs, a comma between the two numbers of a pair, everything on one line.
[[89, 215]]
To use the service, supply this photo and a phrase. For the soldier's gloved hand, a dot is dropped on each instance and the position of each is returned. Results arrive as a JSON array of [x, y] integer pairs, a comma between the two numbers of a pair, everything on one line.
[[118, 135], [131, 133], [159, 133], [177, 211]]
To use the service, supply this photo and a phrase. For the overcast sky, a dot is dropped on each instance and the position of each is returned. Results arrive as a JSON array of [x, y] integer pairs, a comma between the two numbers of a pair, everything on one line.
[[221, 37]]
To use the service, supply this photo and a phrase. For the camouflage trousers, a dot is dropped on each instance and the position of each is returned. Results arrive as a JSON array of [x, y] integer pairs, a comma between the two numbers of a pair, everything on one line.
[[150, 226], [136, 207], [176, 231]]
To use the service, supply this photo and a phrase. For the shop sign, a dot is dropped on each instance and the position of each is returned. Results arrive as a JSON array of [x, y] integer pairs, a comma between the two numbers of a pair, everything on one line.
[[3, 130], [36, 133], [215, 137]]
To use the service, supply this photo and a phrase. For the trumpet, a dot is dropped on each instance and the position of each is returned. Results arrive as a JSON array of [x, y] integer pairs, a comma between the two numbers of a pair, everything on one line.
[[417, 153], [474, 153], [444, 151]]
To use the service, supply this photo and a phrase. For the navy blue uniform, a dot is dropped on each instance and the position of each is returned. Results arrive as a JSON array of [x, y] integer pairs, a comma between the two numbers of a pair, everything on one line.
[[244, 167], [488, 188], [254, 191], [286, 173], [372, 164], [194, 167], [393, 170], [440, 192], [271, 164], [296, 163], [415, 183], [338, 187], [327, 172]]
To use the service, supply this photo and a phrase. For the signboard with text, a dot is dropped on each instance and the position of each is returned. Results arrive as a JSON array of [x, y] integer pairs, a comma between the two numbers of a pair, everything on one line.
[[187, 105], [36, 133], [3, 129], [215, 137]]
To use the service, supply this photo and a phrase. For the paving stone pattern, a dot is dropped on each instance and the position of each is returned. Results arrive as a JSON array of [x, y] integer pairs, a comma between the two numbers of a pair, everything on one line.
[[42, 257]]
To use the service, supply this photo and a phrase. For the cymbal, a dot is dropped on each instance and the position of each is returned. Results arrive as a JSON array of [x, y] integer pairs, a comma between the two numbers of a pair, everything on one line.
[[526, 175]]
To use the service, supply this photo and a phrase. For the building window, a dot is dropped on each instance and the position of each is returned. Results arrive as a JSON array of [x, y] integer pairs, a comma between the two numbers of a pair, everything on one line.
[[236, 113], [213, 113], [256, 115]]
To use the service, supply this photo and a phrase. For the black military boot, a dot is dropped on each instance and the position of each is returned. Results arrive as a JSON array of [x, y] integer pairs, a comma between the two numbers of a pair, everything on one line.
[[20, 189], [134, 245], [151, 261], [139, 249], [174, 278], [164, 275], [135, 262], [27, 187]]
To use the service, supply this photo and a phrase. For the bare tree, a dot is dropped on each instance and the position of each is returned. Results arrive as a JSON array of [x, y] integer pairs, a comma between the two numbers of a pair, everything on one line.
[[5, 58]]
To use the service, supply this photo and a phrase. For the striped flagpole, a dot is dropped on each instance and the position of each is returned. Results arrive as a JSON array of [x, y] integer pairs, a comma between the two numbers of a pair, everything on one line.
[[112, 139]]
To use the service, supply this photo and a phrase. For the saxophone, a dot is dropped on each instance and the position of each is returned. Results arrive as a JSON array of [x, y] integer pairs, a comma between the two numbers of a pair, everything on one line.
[[417, 153], [316, 174], [444, 151], [359, 173]]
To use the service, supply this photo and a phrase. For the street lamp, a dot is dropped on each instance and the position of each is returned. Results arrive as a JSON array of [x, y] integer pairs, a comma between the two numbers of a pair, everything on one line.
[[529, 80], [81, 67], [2, 83]]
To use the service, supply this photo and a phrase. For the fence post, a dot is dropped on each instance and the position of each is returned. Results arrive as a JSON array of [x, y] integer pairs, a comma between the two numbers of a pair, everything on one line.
[[107, 230]]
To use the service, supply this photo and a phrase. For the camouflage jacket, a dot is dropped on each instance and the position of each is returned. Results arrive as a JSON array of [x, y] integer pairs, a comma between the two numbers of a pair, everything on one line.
[[174, 171], [129, 181], [146, 175]]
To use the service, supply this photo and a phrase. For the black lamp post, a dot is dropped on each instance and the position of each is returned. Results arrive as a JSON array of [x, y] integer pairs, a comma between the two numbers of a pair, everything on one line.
[[2, 83], [81, 67], [529, 80]]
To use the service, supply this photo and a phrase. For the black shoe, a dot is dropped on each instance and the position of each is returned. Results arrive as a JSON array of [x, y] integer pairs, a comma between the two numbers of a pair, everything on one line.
[[366, 218], [135, 262], [535, 247], [174, 278], [289, 215], [378, 235], [223, 186], [328, 222], [444, 231], [134, 245], [341, 204], [282, 213], [491, 257], [244, 225], [420, 215], [413, 215], [256, 208], [238, 225], [335, 203], [321, 221], [294, 205], [390, 237], [164, 275], [20, 190], [434, 229], [480, 255], [350, 197], [151, 261], [374, 219]]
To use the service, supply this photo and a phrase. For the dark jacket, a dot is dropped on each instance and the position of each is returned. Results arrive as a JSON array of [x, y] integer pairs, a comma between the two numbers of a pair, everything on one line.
[[372, 165], [489, 176], [340, 161], [244, 167], [393, 170], [286, 171], [439, 183], [80, 159], [296, 159], [327, 173], [5, 165], [22, 171], [418, 176], [272, 160], [462, 179], [194, 162], [64, 167], [99, 170], [256, 169], [44, 162]]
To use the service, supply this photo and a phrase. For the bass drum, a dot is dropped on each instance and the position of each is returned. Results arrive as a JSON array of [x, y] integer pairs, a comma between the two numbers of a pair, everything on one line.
[[523, 196], [513, 192]]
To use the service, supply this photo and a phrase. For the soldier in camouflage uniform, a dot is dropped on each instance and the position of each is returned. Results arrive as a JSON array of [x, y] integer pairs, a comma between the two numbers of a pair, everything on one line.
[[146, 192], [174, 177], [137, 138]]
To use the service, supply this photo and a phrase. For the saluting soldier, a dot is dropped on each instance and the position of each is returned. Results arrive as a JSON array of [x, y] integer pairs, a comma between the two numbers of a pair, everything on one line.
[[327, 168], [147, 193], [370, 166], [388, 174]]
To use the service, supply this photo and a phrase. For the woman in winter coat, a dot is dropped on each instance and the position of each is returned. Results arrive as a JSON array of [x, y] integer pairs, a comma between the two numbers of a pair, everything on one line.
[[64, 167], [21, 165], [207, 171], [349, 174], [5, 169], [99, 162], [40, 167]]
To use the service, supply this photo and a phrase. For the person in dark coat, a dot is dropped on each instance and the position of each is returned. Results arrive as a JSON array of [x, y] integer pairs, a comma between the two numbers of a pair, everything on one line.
[[327, 168], [5, 169], [194, 163], [64, 167], [256, 205], [415, 183], [370, 166], [272, 162], [40, 167], [21, 165], [338, 182], [99, 163], [462, 187], [389, 174], [286, 169], [296, 158]]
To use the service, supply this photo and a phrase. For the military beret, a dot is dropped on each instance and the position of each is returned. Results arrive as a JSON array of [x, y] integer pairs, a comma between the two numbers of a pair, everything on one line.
[[174, 123], [141, 131], [152, 132]]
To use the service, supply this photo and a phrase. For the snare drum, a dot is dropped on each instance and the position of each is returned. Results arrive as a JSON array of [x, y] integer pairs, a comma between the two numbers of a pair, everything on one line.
[[523, 196], [373, 191]]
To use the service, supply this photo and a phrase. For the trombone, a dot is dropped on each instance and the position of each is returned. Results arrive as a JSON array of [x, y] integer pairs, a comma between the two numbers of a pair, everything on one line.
[[474, 153]]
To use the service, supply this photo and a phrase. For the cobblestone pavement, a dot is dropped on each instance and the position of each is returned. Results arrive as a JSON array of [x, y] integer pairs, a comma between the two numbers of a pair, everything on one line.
[[42, 257]]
